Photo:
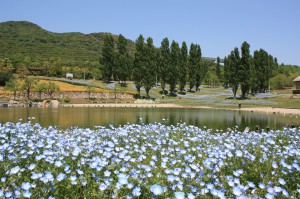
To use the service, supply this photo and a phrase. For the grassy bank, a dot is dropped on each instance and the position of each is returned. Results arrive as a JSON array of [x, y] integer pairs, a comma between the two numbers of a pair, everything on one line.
[[217, 97]]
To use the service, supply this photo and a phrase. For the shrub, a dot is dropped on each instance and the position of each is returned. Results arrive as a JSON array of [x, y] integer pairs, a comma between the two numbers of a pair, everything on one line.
[[67, 99], [295, 92]]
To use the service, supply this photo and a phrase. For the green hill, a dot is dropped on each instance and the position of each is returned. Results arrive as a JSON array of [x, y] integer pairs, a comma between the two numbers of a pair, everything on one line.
[[27, 44]]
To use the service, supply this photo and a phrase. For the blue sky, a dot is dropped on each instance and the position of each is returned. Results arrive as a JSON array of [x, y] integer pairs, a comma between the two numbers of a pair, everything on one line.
[[217, 25]]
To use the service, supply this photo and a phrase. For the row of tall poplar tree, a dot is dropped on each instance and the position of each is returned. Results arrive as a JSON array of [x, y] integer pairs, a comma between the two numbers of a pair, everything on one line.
[[177, 66], [168, 64], [251, 73]]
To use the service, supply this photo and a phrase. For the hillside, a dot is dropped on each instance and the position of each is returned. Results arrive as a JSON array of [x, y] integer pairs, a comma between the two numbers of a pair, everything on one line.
[[26, 43]]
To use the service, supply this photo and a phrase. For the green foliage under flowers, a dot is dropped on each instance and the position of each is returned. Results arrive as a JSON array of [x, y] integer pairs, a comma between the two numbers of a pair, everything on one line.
[[146, 161]]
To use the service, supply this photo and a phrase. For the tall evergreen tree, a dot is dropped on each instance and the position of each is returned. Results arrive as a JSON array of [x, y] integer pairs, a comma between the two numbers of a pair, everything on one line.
[[193, 63], [245, 69], [174, 64], [233, 70], [262, 68], [218, 68], [107, 58], [149, 66], [138, 63], [183, 67], [123, 67], [226, 73], [200, 70], [164, 63]]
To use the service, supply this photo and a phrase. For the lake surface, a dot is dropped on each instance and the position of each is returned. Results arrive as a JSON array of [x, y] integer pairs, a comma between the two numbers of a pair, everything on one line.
[[89, 117]]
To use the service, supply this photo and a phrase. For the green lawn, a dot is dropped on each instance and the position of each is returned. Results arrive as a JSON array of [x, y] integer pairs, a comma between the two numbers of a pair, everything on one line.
[[218, 97]]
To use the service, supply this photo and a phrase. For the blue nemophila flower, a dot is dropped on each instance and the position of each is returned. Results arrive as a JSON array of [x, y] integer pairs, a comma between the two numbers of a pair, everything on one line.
[[251, 184], [107, 173], [80, 172], [14, 170], [58, 163], [136, 191], [3, 179], [103, 186], [8, 194], [239, 153], [238, 172], [130, 185], [123, 179], [60, 177], [270, 190], [179, 195], [204, 191], [156, 189], [31, 167], [237, 190], [17, 193], [261, 185], [269, 196], [35, 176], [26, 185], [285, 193], [27, 194], [281, 181], [49, 176], [277, 189], [274, 165], [191, 196]]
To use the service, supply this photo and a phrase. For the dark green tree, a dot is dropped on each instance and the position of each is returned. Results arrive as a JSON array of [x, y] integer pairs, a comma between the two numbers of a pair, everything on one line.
[[149, 66], [201, 69], [245, 69], [218, 68], [164, 63], [226, 73], [139, 61], [174, 65], [6, 71], [233, 61], [183, 67], [123, 67], [108, 58], [262, 71], [193, 64]]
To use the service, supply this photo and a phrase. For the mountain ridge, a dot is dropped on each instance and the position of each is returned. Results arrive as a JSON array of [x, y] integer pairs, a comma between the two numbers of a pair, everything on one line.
[[24, 42]]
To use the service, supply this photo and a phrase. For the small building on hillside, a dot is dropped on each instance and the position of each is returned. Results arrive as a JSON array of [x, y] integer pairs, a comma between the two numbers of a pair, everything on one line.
[[69, 75], [36, 70], [297, 83]]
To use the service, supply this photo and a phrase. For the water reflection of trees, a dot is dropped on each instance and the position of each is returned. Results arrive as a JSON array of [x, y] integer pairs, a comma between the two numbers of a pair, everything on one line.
[[100, 116]]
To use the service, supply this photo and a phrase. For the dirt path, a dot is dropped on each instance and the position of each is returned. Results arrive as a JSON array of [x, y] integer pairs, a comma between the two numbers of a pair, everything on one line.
[[273, 110], [122, 105], [254, 109]]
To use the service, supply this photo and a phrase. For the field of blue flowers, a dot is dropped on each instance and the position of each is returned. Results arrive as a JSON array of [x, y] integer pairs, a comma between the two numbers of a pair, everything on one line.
[[147, 161]]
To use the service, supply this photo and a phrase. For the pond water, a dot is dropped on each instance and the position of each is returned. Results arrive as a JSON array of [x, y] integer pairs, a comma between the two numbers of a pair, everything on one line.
[[89, 117]]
